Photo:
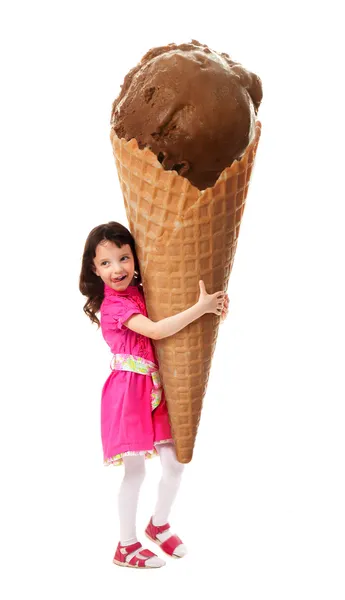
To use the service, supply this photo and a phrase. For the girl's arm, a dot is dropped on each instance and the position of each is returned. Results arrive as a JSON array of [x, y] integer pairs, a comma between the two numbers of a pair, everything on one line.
[[212, 303]]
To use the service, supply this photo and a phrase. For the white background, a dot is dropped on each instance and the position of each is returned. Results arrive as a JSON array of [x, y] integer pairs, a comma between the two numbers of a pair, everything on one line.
[[261, 507]]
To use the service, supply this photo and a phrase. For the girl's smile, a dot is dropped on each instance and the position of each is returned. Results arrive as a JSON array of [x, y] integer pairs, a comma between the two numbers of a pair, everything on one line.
[[121, 278], [115, 266]]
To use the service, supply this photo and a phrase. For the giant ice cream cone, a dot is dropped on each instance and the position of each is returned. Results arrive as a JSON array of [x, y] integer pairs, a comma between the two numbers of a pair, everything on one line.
[[182, 235]]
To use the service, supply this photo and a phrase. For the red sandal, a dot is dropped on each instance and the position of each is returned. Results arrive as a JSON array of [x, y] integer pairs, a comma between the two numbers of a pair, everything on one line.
[[137, 562], [170, 545]]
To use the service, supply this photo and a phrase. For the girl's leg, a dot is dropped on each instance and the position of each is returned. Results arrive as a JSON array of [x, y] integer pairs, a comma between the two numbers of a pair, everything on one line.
[[168, 487], [129, 496], [128, 503], [169, 484]]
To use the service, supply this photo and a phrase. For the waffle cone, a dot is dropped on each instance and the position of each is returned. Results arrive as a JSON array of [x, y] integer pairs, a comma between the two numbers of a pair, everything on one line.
[[182, 235]]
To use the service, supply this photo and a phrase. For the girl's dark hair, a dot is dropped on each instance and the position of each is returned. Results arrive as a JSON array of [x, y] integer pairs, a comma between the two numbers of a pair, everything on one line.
[[90, 284]]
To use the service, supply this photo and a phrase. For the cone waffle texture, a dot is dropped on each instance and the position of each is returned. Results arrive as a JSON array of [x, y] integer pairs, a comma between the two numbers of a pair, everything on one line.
[[182, 235]]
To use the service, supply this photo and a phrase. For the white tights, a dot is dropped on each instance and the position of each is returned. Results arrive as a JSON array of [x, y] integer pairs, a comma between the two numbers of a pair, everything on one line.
[[130, 488]]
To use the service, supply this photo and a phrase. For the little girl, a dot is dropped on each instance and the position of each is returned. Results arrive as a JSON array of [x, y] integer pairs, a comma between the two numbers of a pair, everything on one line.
[[134, 416]]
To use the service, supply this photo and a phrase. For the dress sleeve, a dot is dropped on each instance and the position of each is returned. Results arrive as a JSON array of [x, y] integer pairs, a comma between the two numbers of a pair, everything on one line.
[[116, 312]]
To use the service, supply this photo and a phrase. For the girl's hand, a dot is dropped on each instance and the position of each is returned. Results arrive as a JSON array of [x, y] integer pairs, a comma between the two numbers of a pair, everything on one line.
[[225, 308], [211, 303]]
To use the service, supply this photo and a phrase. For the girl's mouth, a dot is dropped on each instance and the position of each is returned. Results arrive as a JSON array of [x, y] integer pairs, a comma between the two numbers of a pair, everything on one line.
[[119, 279]]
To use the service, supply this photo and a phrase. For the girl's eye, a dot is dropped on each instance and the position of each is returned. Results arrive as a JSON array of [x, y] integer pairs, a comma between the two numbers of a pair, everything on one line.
[[106, 261]]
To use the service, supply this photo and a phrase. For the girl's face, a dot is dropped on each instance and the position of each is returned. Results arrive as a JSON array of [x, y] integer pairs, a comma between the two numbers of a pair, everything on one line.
[[112, 263]]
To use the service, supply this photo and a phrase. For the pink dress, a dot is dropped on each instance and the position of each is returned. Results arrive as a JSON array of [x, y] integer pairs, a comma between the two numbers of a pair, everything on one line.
[[128, 423]]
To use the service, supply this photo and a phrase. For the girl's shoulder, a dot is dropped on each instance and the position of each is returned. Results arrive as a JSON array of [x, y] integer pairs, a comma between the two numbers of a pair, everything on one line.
[[116, 308], [119, 300]]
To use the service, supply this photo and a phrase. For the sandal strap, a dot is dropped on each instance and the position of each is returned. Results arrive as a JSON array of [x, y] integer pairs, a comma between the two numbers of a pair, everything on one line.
[[131, 548], [170, 545], [123, 551], [141, 561], [160, 528]]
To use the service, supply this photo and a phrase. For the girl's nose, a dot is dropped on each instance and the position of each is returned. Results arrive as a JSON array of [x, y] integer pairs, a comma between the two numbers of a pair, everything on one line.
[[118, 270]]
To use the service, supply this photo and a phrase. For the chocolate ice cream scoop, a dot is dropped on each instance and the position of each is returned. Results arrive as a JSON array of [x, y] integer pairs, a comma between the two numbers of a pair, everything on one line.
[[193, 107]]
